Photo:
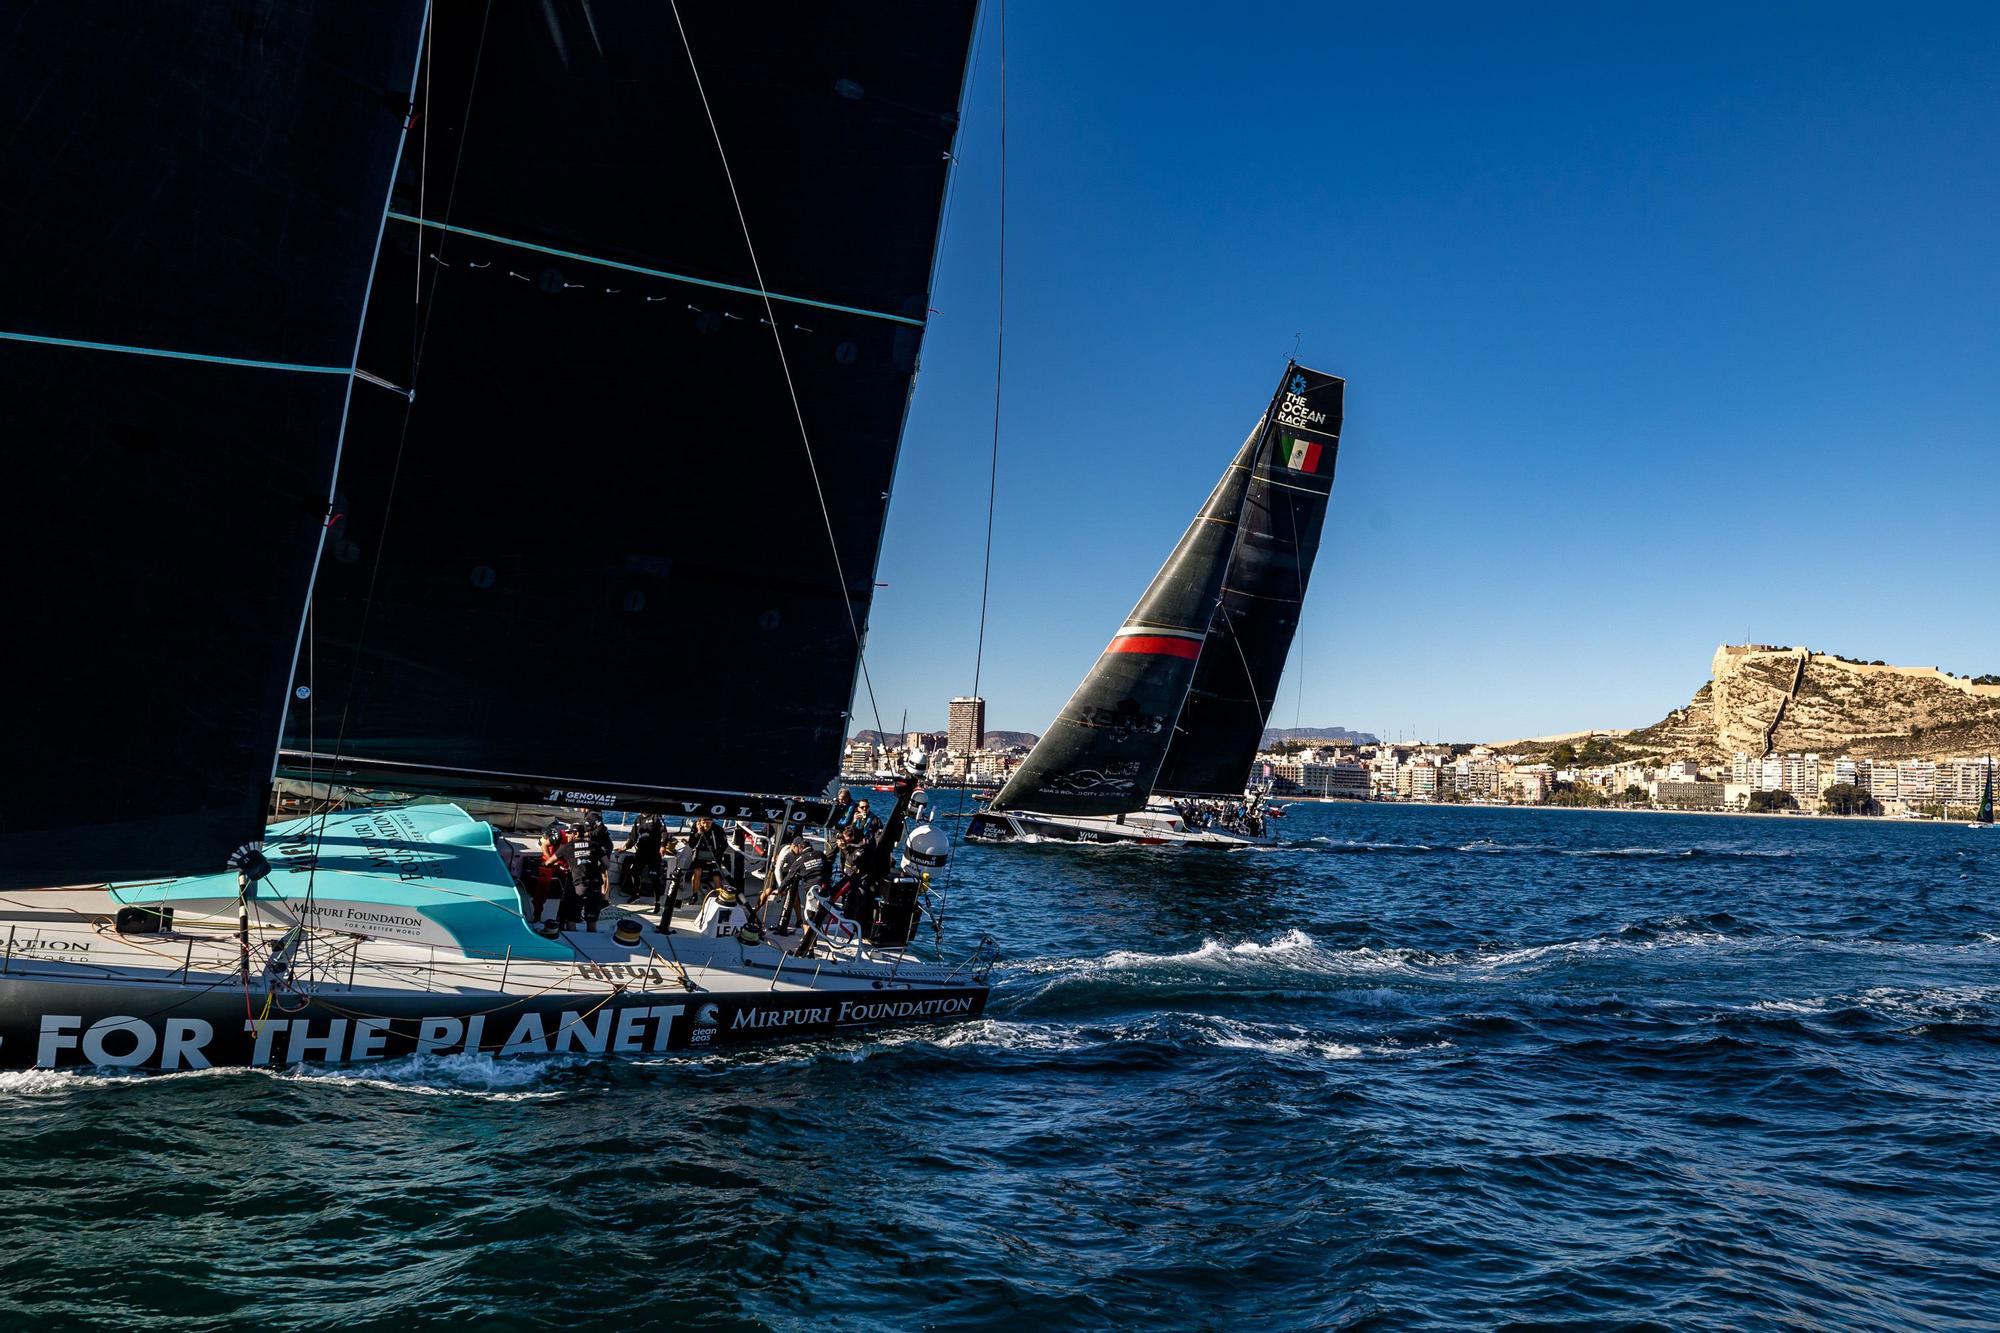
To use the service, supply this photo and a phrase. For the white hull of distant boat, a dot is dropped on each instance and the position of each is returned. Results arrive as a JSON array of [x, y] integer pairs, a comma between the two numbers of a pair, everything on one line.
[[1144, 828]]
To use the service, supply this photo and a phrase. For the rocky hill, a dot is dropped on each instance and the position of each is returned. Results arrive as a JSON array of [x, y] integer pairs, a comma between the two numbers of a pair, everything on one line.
[[1762, 699]]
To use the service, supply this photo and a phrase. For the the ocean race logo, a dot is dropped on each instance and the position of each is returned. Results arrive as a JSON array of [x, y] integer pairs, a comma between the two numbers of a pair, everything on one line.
[[1293, 410]]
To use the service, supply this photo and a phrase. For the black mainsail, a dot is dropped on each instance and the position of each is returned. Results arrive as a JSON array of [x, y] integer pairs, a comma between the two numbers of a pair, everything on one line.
[[194, 197], [1177, 703], [1102, 752], [1985, 814], [1243, 659], [609, 513]]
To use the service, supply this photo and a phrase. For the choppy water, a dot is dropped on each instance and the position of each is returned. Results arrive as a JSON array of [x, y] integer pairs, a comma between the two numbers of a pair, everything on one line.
[[1426, 1067]]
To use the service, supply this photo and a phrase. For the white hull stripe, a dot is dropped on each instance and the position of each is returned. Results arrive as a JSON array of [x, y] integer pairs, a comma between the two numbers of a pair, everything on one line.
[[1152, 632]]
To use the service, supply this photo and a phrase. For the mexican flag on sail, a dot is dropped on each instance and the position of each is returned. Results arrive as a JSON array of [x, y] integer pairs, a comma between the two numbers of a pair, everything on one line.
[[1300, 455]]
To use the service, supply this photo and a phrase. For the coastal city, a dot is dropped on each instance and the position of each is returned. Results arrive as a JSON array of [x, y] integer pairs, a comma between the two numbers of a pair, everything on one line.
[[1805, 783], [1585, 769], [677, 666]]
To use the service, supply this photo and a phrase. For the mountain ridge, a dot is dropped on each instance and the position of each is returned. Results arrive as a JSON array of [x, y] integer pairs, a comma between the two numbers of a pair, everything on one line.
[[1274, 735]]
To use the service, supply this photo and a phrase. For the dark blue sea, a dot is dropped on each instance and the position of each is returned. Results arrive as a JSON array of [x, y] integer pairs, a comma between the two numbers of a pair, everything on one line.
[[1424, 1067]]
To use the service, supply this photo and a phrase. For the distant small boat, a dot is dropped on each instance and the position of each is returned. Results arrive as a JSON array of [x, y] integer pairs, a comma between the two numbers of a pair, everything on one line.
[[1984, 819]]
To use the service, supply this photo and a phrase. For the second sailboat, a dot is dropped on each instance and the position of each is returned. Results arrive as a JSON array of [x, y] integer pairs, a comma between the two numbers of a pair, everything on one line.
[[1157, 742]]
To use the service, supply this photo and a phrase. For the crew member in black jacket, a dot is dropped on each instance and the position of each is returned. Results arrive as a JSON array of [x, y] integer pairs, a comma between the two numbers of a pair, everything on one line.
[[642, 860], [709, 847], [598, 836]]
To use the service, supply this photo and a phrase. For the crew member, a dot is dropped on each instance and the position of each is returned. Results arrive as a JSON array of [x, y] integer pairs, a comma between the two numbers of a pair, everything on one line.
[[798, 866], [681, 868], [708, 846], [569, 912], [803, 869], [854, 896], [774, 871], [546, 877], [597, 835], [642, 859], [590, 876]]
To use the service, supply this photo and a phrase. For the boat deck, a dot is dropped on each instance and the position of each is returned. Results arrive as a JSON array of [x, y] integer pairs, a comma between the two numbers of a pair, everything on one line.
[[70, 934]]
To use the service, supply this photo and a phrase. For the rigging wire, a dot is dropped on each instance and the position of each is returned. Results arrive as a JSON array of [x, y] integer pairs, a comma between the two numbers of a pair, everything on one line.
[[1299, 630], [992, 470], [420, 325], [784, 364], [999, 363], [312, 748], [424, 154], [420, 335], [312, 707]]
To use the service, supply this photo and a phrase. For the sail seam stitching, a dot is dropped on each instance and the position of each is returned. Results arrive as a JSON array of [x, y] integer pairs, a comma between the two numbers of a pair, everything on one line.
[[655, 272]]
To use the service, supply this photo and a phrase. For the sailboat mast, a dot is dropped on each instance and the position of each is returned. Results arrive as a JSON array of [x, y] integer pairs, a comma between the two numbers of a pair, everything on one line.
[[284, 704]]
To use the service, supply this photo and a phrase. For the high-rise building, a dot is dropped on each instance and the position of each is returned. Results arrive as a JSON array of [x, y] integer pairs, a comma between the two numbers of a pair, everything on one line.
[[965, 725], [1799, 775], [1915, 779], [1962, 781]]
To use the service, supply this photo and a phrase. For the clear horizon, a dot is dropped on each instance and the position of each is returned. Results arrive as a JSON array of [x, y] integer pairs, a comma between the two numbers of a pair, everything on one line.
[[1659, 329]]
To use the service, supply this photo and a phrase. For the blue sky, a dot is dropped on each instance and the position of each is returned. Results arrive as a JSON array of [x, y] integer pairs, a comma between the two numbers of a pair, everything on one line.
[[1659, 325]]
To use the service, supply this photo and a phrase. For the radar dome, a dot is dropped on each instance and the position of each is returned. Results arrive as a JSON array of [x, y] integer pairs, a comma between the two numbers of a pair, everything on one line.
[[926, 847]]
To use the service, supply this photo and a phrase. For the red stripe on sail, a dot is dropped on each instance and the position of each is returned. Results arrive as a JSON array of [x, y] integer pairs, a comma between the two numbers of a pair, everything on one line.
[[1154, 643]]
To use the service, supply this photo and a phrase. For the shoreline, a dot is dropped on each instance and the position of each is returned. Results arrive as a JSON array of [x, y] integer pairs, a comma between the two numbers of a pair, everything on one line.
[[1628, 810]]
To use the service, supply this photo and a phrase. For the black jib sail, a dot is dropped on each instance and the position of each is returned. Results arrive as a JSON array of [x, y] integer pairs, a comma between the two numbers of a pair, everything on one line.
[[1242, 661], [1103, 750], [611, 502], [194, 196]]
